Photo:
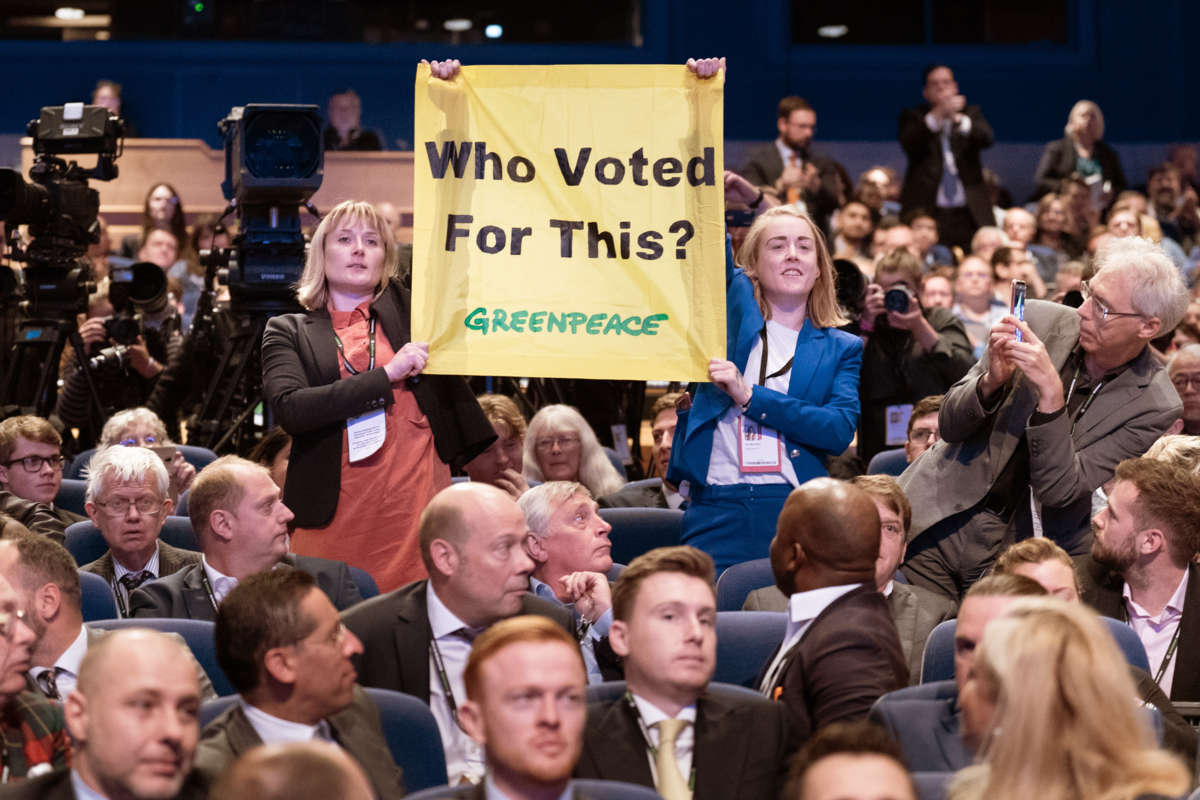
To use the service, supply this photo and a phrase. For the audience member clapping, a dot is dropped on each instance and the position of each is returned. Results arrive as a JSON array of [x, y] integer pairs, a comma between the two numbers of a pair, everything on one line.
[[1050, 701], [561, 446], [502, 462]]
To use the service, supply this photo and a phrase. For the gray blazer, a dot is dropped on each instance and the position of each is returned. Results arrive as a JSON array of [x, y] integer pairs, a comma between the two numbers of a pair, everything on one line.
[[915, 610], [1065, 463]]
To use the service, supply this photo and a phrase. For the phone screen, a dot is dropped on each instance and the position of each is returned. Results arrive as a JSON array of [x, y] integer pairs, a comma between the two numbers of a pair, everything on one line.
[[1016, 306]]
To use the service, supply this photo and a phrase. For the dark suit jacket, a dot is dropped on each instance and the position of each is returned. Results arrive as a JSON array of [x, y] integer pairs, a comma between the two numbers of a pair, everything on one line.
[[764, 165], [183, 596], [915, 610], [312, 402], [394, 630], [1102, 591], [1066, 463], [1058, 161], [37, 517], [635, 497], [740, 752], [170, 560], [57, 786], [67, 518], [356, 728], [849, 657], [929, 730], [924, 150]]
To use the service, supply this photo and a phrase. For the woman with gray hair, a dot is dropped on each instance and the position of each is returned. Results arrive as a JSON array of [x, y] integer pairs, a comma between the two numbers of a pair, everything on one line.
[[141, 427], [1083, 152], [561, 446]]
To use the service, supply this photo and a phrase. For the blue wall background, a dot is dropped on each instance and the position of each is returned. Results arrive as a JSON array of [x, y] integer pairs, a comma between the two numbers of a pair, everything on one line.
[[1134, 59]]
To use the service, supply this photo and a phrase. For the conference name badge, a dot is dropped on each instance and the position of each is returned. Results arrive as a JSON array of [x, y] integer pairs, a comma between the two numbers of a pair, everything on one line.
[[759, 448], [365, 434]]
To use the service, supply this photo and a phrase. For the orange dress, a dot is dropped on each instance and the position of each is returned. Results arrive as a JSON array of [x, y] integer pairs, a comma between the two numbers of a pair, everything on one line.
[[382, 496]]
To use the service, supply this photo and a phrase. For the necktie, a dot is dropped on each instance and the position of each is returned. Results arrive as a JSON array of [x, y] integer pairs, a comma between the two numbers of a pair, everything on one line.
[[949, 170], [132, 580], [671, 783], [47, 681]]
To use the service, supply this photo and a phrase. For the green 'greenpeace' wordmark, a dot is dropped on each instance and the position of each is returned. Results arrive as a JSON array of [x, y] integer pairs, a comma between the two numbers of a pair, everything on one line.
[[569, 322]]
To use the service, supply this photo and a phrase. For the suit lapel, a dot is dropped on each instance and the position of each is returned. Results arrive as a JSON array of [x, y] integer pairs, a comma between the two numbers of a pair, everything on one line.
[[617, 746], [104, 567], [1114, 397], [716, 758], [412, 636], [317, 329], [903, 605], [195, 597], [816, 351], [1186, 683], [240, 732]]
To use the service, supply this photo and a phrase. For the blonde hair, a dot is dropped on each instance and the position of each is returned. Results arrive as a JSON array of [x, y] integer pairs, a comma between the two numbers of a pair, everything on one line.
[[1068, 723], [596, 472], [1177, 449], [823, 307], [1079, 108], [312, 290]]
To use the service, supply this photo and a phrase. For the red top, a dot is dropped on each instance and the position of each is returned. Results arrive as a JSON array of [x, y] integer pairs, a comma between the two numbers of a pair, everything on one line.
[[382, 496]]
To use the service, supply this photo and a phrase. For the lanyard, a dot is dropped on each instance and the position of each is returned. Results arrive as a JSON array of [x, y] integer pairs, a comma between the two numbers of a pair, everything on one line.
[[370, 349], [645, 729], [1086, 403], [121, 608], [445, 681], [212, 596], [762, 367]]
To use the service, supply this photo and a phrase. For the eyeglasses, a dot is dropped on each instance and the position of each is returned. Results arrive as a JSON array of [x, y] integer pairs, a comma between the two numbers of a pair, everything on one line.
[[8, 621], [1185, 381], [135, 442], [35, 463], [1101, 307], [922, 434], [150, 506], [563, 442]]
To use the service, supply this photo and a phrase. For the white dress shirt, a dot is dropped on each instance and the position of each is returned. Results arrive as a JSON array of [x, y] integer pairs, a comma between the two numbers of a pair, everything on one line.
[[490, 792], [68, 664], [684, 745], [464, 756], [119, 571], [82, 790], [221, 583], [803, 608], [1156, 632], [273, 730]]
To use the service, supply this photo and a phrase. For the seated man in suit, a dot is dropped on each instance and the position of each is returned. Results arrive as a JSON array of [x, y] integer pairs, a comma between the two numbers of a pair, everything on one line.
[[915, 611], [526, 704], [930, 730], [242, 527], [31, 463], [569, 545], [47, 582], [132, 719], [416, 639], [665, 494], [127, 500], [35, 737], [841, 650], [665, 628], [849, 760], [286, 652], [294, 771], [1141, 567]]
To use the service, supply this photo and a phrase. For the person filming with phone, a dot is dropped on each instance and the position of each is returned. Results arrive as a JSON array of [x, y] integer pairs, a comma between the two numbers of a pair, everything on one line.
[[1042, 420], [911, 352]]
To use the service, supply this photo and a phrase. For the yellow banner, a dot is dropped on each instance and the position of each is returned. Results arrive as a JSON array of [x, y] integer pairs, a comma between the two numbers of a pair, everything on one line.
[[569, 222]]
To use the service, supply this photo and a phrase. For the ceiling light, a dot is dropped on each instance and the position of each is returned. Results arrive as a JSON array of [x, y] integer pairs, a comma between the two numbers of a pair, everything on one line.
[[832, 31], [69, 13], [493, 31], [457, 25]]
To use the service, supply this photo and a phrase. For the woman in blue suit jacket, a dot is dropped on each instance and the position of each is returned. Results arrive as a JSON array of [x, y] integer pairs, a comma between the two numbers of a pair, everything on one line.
[[761, 429]]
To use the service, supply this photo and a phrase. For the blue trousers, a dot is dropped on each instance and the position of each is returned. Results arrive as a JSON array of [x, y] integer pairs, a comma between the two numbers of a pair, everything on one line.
[[733, 523]]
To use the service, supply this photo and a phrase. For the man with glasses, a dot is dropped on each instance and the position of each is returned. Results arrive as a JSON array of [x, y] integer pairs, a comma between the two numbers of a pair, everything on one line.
[[31, 472], [286, 652], [1184, 369], [922, 427], [127, 500], [1042, 420]]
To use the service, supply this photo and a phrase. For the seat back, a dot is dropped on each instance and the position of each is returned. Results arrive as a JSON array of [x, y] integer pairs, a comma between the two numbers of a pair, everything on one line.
[[72, 495], [737, 582], [745, 642], [85, 542], [96, 600], [888, 462], [198, 633], [932, 785], [365, 583], [412, 737], [638, 530], [590, 788], [1131, 646], [198, 457]]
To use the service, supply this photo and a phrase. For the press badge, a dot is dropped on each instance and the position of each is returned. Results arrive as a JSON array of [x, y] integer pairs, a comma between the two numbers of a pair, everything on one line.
[[759, 447], [365, 434], [896, 424]]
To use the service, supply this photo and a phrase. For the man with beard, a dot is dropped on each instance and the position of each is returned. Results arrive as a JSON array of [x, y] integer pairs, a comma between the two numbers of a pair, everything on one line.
[[1141, 570]]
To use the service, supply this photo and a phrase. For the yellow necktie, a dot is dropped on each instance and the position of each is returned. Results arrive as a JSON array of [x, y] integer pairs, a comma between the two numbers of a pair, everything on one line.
[[672, 785]]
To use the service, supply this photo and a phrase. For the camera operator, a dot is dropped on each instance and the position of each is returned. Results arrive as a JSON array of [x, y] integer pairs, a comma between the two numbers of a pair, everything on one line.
[[125, 357], [911, 352]]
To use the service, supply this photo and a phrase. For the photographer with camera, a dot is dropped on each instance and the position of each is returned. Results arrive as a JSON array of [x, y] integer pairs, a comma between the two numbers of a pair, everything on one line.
[[911, 352]]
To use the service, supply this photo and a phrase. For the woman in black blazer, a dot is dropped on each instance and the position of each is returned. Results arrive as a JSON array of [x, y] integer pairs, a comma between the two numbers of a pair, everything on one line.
[[330, 378], [1083, 152]]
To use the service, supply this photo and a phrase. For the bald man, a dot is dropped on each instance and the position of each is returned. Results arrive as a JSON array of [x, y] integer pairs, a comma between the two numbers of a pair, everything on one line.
[[417, 639], [295, 771], [841, 651]]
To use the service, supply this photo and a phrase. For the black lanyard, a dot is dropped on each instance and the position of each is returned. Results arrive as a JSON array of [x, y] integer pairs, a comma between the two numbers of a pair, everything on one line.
[[1171, 647], [1086, 403], [645, 729], [208, 589], [445, 681], [763, 377], [370, 348]]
